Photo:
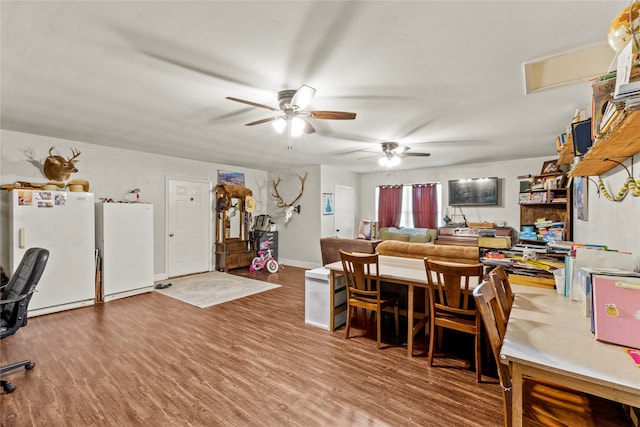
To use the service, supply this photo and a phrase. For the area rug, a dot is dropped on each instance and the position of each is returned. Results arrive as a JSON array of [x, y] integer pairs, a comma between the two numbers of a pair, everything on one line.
[[207, 289]]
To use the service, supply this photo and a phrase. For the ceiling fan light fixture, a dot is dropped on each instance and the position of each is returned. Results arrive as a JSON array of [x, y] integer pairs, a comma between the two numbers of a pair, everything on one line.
[[297, 126], [279, 124], [302, 97], [389, 162]]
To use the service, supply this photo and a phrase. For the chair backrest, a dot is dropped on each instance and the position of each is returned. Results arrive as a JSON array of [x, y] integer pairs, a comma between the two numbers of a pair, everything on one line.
[[20, 288], [361, 271], [449, 283], [489, 307], [499, 279]]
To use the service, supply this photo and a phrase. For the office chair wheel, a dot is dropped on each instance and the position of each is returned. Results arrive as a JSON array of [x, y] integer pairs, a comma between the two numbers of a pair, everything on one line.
[[29, 366], [8, 387]]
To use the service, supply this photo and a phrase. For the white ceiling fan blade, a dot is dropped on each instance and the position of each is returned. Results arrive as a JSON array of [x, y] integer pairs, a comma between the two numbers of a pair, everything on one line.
[[308, 129], [302, 97]]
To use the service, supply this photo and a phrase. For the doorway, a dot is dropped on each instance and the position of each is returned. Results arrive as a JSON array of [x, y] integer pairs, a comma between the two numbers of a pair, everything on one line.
[[344, 212], [188, 227]]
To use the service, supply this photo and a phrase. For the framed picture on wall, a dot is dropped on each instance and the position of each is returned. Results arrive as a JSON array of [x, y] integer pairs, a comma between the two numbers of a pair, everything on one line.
[[550, 166], [580, 197], [327, 203], [230, 178]]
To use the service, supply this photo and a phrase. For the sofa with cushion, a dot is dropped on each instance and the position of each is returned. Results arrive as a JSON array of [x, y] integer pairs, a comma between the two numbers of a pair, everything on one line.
[[450, 253], [413, 235]]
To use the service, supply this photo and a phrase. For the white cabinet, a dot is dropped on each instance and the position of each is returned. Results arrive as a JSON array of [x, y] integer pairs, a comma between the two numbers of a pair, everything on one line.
[[317, 299], [124, 238]]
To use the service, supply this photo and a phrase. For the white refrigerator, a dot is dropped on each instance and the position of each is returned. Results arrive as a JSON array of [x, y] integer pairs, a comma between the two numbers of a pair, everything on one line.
[[64, 223], [124, 238]]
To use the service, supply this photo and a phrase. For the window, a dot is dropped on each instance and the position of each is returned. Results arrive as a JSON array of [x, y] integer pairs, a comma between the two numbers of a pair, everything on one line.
[[406, 217]]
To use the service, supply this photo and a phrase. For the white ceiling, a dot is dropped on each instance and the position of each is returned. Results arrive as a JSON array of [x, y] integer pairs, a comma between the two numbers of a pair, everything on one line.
[[441, 77]]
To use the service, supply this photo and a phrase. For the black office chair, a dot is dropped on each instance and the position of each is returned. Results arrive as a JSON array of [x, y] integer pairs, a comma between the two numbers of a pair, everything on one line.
[[15, 301]]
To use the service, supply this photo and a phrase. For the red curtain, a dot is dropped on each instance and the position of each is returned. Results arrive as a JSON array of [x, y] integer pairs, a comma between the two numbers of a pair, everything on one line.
[[425, 206], [389, 206]]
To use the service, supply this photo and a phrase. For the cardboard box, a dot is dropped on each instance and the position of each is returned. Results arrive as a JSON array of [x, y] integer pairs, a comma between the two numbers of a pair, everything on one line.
[[494, 242]]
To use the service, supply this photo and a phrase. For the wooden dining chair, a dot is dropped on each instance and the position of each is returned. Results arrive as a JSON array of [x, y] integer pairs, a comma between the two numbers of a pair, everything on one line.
[[499, 279], [363, 290], [451, 304], [544, 404]]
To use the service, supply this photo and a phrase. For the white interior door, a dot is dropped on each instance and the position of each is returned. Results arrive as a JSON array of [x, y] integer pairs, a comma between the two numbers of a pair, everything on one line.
[[344, 208], [188, 227]]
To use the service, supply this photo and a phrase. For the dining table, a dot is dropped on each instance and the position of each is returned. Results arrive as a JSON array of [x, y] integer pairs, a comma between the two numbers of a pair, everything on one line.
[[409, 272], [548, 337]]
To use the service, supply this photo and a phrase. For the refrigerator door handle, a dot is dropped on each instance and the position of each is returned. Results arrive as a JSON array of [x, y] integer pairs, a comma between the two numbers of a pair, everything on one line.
[[21, 238]]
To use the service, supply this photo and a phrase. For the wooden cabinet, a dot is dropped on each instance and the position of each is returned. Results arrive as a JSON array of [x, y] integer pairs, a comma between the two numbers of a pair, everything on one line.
[[233, 247], [467, 236], [550, 204], [233, 253]]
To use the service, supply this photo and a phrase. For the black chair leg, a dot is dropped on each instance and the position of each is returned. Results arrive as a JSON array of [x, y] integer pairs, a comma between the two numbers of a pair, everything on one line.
[[7, 386]]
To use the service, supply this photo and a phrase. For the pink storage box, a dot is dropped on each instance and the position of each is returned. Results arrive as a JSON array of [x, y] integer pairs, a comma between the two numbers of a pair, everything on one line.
[[616, 309]]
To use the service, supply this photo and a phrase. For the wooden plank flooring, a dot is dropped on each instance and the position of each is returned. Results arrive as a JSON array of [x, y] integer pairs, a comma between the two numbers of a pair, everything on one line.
[[151, 360]]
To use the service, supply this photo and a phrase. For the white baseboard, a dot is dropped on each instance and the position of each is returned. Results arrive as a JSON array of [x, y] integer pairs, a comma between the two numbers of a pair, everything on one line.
[[129, 293], [298, 263], [57, 308]]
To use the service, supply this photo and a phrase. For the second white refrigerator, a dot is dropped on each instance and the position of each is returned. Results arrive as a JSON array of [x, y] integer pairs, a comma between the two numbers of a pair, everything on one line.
[[124, 238]]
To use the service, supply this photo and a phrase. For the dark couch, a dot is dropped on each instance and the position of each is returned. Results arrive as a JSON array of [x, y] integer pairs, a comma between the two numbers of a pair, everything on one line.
[[331, 246]]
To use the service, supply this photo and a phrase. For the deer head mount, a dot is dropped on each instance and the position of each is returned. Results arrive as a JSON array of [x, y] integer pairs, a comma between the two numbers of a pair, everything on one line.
[[226, 192], [289, 208], [57, 168]]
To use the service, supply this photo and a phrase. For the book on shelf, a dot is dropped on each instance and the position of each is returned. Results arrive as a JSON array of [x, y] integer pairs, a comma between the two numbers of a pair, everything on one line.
[[625, 85], [611, 112], [602, 94]]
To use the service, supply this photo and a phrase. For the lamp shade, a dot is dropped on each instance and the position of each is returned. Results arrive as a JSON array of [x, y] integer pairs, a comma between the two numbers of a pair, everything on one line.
[[621, 31], [279, 125]]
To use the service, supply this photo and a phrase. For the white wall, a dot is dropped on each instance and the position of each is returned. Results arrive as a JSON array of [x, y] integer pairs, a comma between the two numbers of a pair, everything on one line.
[[330, 178], [111, 172], [615, 224], [298, 239], [509, 186]]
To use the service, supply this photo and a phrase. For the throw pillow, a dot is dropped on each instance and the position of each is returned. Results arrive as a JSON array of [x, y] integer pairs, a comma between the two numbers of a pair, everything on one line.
[[400, 237], [420, 238]]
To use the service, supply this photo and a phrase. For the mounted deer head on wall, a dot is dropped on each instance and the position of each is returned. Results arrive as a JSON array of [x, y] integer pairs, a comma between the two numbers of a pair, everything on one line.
[[289, 208], [57, 168]]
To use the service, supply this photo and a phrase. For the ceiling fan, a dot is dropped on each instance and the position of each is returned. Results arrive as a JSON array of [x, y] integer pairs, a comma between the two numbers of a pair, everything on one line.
[[392, 152], [291, 105]]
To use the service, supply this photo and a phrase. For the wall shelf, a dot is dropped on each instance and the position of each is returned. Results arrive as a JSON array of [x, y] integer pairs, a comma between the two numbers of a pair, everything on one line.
[[547, 206], [620, 143]]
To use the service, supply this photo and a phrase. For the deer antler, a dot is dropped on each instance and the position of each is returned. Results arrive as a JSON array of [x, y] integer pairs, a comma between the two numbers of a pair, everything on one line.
[[302, 180], [75, 153], [280, 203]]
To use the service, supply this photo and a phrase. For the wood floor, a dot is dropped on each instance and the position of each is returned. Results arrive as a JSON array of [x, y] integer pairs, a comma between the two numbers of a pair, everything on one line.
[[151, 360]]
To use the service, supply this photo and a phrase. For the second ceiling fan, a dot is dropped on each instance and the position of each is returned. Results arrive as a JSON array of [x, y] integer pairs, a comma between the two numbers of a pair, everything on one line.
[[291, 110], [392, 153]]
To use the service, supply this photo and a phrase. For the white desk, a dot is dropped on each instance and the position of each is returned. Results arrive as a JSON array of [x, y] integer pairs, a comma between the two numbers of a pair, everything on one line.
[[549, 338], [403, 271]]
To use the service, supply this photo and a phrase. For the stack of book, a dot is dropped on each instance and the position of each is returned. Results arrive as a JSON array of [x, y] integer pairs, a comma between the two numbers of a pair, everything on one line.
[[549, 231], [627, 89]]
